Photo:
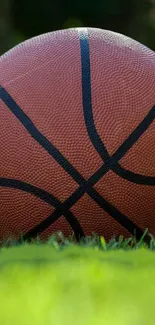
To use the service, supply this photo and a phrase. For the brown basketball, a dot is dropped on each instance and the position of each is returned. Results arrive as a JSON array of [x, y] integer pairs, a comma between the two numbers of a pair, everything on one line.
[[77, 149]]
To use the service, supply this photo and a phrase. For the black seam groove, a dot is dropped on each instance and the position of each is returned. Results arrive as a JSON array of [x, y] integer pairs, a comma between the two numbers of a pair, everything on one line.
[[48, 198], [29, 188], [87, 98], [108, 207], [38, 136], [134, 177]]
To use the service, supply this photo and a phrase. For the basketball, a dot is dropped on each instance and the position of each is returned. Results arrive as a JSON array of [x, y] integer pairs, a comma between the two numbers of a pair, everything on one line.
[[77, 149]]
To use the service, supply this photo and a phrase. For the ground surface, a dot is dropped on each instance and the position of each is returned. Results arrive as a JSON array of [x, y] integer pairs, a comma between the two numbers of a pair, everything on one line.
[[91, 284]]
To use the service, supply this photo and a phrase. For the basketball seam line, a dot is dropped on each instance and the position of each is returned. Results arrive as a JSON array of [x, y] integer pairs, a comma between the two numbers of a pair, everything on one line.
[[48, 198]]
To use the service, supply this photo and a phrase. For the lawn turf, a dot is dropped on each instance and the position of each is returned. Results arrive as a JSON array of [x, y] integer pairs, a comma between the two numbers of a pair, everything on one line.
[[48, 284]]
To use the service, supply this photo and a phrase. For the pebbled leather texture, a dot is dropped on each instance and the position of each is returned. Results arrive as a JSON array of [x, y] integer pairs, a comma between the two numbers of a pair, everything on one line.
[[77, 136]]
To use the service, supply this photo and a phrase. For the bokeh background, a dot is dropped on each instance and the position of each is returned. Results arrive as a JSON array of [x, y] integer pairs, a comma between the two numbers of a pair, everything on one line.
[[22, 19]]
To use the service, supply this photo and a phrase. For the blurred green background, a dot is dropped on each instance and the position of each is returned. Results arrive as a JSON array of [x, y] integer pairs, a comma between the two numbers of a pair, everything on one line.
[[22, 19]]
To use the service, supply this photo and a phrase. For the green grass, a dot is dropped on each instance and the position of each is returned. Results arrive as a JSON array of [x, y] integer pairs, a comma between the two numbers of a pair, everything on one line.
[[93, 283]]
